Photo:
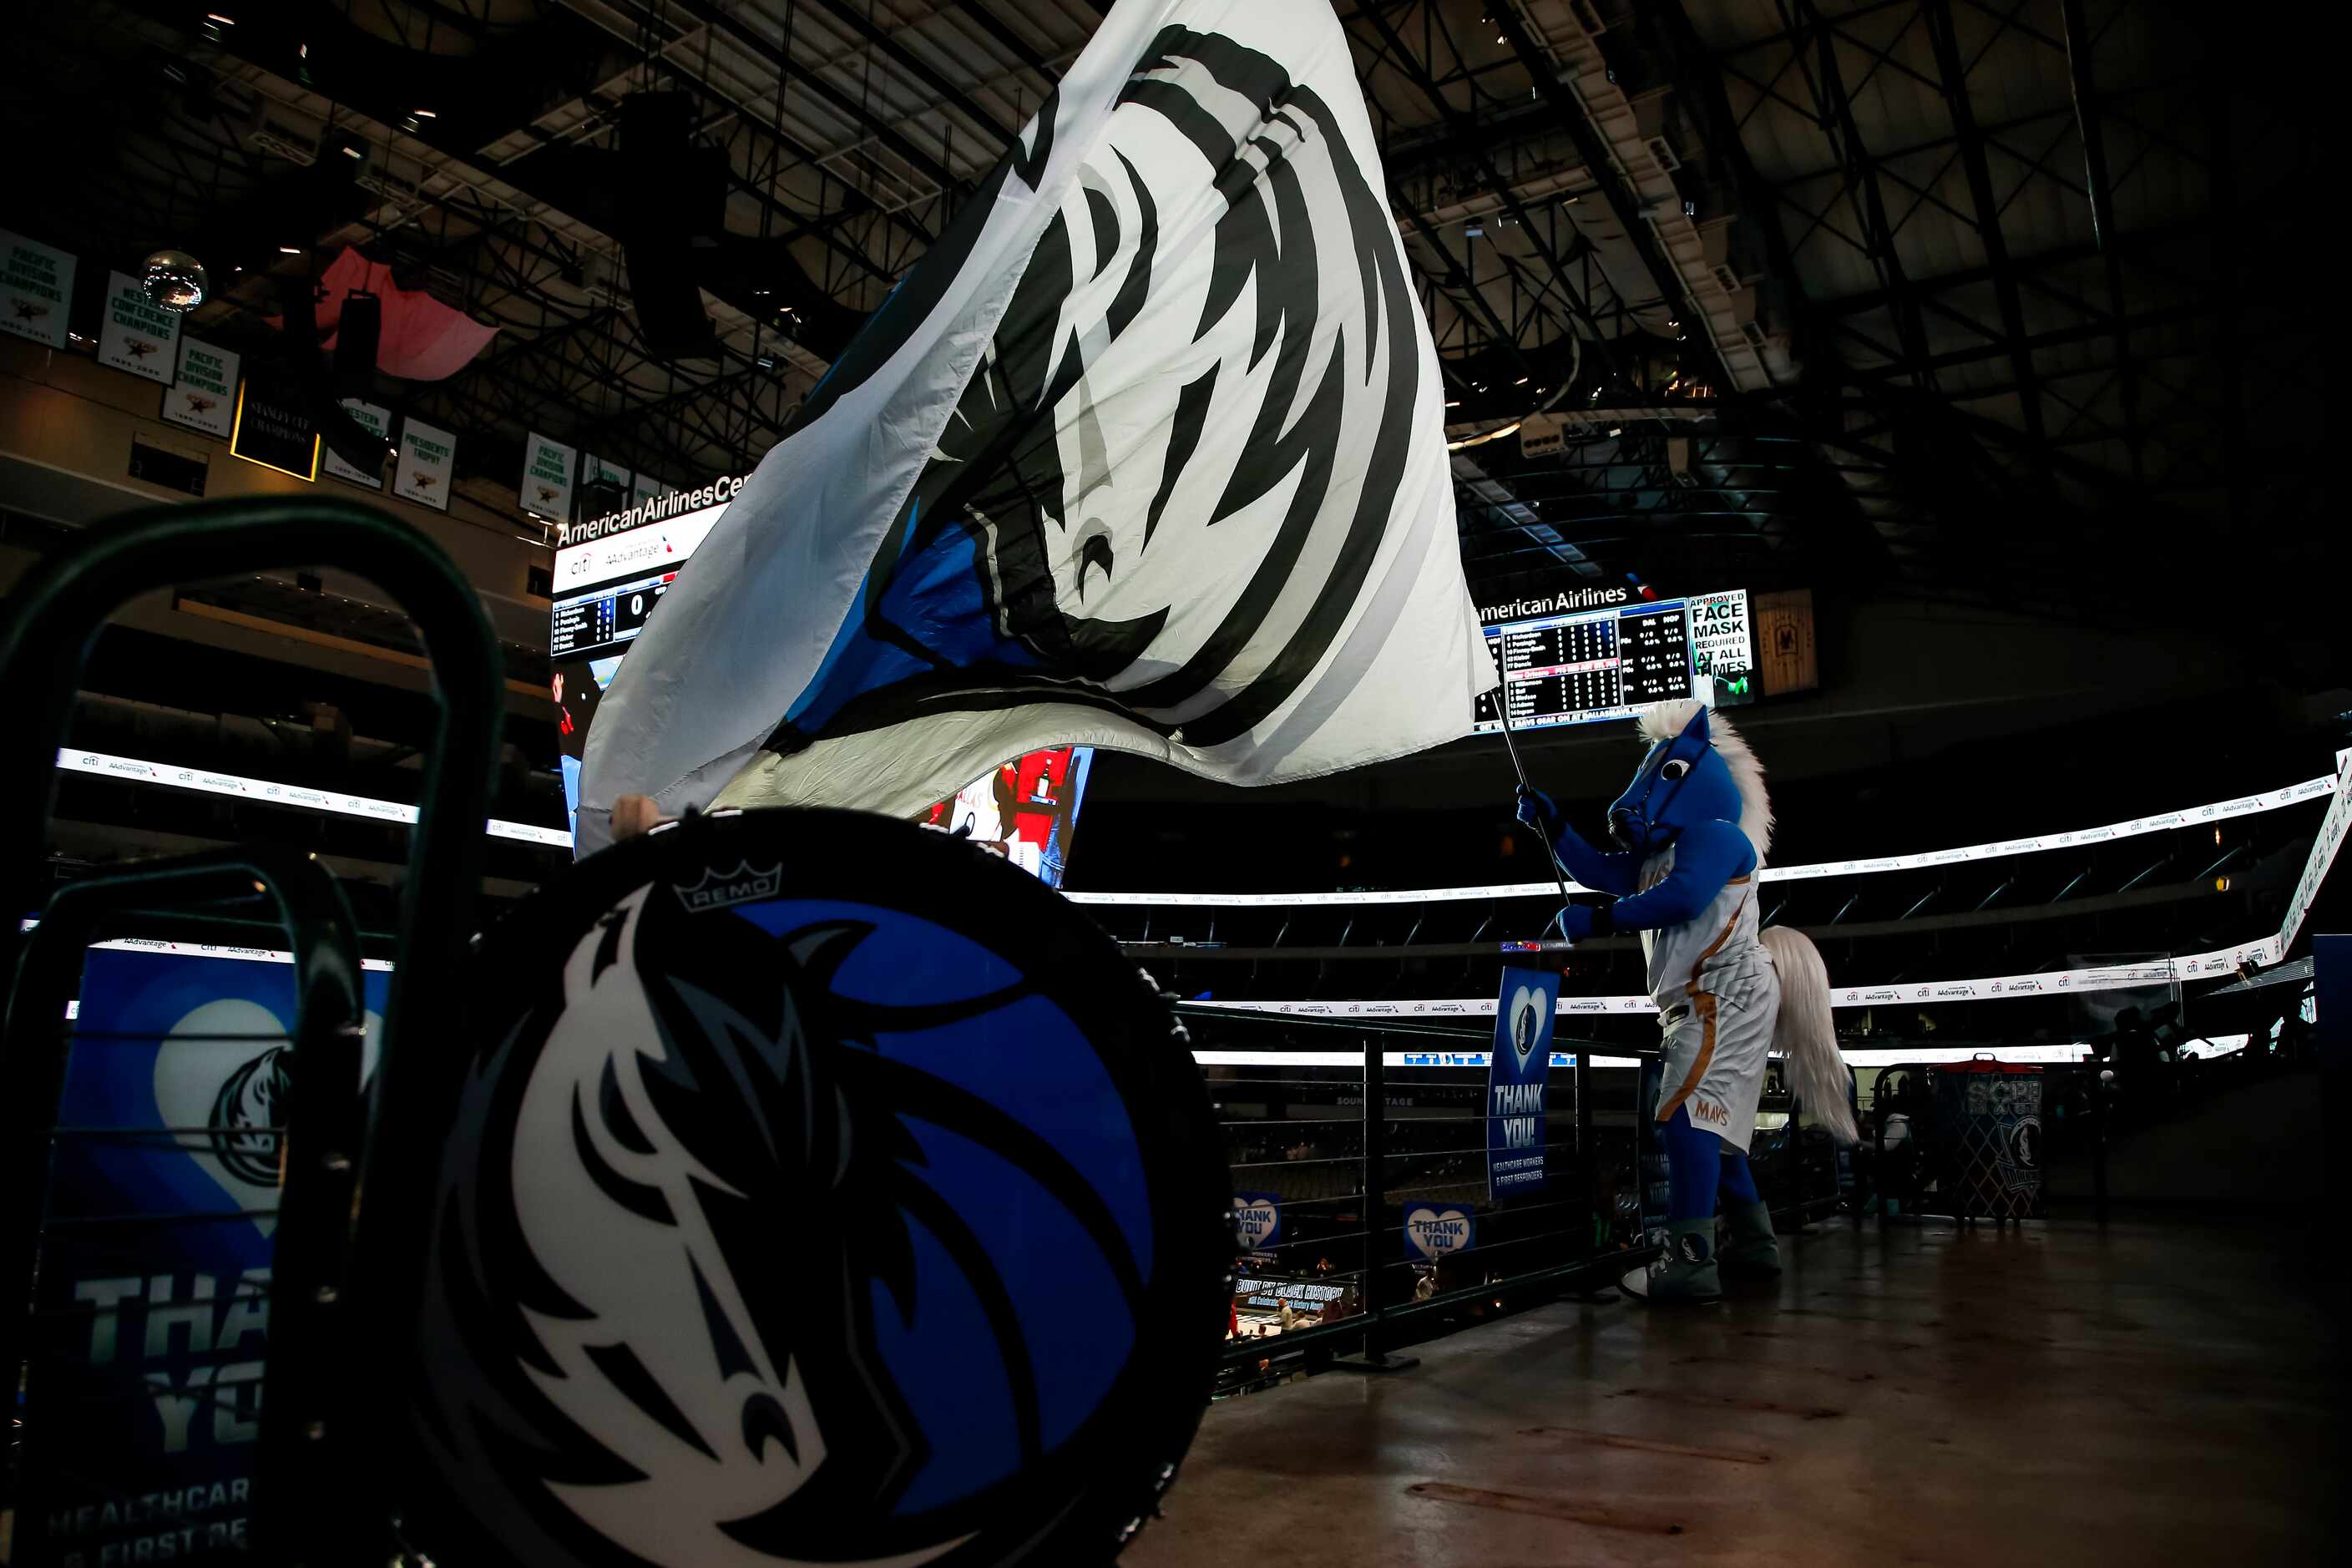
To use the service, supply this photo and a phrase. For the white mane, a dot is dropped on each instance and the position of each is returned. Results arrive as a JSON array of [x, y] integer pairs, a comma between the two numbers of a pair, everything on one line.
[[1665, 720]]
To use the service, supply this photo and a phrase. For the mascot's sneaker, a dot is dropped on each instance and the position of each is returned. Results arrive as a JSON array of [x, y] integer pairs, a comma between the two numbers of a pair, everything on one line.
[[1748, 1250], [1685, 1273]]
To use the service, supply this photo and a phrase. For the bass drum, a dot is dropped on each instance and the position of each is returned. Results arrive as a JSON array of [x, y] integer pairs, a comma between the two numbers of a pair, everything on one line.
[[822, 1190]]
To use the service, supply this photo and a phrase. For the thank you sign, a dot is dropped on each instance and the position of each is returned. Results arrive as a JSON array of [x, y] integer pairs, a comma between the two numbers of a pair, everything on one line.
[[1516, 1072], [1257, 1220]]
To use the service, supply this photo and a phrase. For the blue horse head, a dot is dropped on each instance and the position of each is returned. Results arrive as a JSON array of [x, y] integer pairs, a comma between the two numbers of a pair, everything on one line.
[[1697, 769]]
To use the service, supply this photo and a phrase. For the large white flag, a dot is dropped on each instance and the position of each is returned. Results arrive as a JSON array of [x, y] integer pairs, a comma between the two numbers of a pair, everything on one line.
[[1148, 452]]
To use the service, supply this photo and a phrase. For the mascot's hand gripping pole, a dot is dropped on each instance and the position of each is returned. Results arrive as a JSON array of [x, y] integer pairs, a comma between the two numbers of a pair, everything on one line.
[[1511, 743]]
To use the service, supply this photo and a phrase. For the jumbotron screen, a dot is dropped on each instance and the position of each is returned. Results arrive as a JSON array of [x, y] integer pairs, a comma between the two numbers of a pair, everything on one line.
[[1575, 661], [1026, 810], [611, 570], [610, 573]]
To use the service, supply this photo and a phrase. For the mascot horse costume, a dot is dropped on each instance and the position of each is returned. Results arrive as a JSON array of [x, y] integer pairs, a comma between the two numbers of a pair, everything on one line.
[[1693, 828]]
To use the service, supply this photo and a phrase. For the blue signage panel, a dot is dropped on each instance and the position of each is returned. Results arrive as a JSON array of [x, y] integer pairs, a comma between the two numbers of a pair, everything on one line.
[[1517, 1072], [142, 1403]]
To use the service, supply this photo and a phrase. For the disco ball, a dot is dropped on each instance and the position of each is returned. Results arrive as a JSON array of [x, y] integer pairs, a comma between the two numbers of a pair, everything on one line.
[[176, 280]]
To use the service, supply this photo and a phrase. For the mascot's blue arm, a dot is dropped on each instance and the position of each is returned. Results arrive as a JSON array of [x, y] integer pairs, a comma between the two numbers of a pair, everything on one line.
[[1617, 871], [1707, 856]]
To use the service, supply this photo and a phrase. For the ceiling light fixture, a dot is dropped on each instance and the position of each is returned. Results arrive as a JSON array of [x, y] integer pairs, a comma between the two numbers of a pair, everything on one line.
[[290, 251], [1481, 440]]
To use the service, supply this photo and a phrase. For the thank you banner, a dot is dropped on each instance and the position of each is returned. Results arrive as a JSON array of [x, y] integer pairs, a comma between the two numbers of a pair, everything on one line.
[[150, 1322], [1517, 1072], [1432, 1230], [1257, 1220]]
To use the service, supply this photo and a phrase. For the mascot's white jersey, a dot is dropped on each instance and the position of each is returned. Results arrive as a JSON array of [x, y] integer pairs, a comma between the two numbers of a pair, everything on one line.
[[1719, 997]]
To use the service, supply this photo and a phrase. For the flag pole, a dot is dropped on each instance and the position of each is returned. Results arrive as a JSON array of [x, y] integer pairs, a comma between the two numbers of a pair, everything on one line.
[[1511, 742]]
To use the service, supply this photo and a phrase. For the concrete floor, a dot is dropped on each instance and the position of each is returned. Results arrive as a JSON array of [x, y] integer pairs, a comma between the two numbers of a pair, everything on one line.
[[2160, 1392]]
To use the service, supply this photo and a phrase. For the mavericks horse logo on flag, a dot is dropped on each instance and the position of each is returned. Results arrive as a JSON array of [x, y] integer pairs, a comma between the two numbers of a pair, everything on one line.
[[1146, 453]]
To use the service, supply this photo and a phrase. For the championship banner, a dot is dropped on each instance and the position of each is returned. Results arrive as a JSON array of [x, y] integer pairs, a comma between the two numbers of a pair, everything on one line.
[[376, 422], [547, 469], [1518, 1074], [426, 464], [35, 290], [137, 335], [1147, 452], [203, 395], [1431, 1231], [597, 470], [146, 1380], [645, 489], [273, 425], [1257, 1220]]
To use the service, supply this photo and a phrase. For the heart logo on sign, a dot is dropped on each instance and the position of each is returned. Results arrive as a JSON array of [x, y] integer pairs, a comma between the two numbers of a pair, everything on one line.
[[224, 1068], [1527, 1024], [1436, 1233], [229, 1085], [1254, 1222]]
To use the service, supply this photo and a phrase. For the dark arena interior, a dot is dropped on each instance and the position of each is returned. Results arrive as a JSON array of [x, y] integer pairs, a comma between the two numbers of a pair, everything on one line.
[[1476, 783]]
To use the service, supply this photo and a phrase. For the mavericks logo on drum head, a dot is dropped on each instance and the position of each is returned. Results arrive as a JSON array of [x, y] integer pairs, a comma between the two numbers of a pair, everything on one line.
[[799, 1229]]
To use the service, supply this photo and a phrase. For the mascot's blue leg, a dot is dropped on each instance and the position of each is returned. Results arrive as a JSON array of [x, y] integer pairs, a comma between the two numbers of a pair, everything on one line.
[[1739, 1181], [1686, 1272], [1748, 1250]]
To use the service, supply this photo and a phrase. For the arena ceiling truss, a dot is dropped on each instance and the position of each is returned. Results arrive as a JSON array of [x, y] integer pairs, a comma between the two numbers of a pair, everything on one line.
[[1961, 299]]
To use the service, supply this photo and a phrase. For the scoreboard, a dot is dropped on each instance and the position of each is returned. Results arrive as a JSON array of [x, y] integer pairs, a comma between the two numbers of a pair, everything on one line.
[[606, 586], [1578, 666]]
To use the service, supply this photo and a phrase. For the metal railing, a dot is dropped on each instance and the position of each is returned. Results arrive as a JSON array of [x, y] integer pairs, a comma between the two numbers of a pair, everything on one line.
[[332, 1284], [1351, 1142]]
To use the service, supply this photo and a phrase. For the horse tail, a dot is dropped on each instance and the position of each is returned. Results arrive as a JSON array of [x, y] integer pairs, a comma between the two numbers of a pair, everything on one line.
[[1805, 1034]]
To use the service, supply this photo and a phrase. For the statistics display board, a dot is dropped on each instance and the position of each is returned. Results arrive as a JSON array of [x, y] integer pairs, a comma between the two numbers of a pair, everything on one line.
[[610, 571], [1578, 666]]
